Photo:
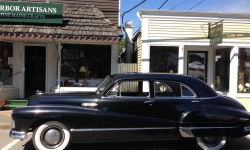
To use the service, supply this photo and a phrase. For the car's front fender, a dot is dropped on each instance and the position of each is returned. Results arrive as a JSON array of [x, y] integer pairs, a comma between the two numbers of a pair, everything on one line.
[[73, 117]]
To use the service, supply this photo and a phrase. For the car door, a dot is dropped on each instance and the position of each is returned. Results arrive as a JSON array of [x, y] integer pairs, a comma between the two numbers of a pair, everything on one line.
[[125, 113], [171, 100]]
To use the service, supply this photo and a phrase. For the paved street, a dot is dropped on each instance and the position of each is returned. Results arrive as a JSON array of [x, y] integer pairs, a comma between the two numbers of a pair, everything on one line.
[[9, 144]]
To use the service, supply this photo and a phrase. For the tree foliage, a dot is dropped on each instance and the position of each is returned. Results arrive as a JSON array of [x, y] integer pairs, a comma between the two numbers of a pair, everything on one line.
[[122, 44]]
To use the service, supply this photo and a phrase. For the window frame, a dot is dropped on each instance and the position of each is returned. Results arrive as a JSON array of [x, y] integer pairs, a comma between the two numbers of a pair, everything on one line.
[[180, 84], [119, 86]]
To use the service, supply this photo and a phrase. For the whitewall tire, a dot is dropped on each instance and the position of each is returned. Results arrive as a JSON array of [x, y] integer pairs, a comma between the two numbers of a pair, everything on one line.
[[52, 135], [211, 143]]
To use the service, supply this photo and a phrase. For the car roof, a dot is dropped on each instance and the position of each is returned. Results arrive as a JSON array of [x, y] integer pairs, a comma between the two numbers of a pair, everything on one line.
[[200, 87]]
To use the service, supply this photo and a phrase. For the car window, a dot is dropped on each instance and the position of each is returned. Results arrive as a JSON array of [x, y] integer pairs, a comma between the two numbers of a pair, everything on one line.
[[186, 91], [168, 89], [172, 89], [129, 88], [104, 85]]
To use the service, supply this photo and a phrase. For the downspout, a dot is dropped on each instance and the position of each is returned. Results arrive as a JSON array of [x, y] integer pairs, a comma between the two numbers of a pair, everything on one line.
[[129, 48], [57, 49]]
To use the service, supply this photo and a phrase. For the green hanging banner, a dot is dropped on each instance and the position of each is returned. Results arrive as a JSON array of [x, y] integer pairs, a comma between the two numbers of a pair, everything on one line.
[[31, 12], [216, 34]]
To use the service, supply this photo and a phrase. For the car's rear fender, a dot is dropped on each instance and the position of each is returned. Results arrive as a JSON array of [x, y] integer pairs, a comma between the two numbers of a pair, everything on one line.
[[214, 121], [33, 116]]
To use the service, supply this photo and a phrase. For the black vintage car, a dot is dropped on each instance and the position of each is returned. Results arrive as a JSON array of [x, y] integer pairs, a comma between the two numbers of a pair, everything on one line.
[[133, 107]]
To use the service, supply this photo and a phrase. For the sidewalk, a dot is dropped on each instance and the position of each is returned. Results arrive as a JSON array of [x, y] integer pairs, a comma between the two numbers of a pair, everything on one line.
[[5, 119]]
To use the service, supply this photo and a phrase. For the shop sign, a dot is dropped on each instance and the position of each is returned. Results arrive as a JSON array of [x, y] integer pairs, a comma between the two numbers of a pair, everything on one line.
[[30, 12], [216, 34]]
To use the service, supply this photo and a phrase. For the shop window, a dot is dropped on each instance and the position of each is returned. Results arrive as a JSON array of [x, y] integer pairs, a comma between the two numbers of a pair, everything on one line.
[[84, 63], [244, 70], [6, 62], [164, 59]]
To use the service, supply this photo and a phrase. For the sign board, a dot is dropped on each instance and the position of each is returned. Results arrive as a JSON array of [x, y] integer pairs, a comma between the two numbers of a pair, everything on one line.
[[31, 12], [216, 34]]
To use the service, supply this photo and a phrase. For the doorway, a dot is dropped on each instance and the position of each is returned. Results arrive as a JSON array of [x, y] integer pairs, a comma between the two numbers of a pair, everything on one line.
[[34, 69], [222, 69], [197, 64]]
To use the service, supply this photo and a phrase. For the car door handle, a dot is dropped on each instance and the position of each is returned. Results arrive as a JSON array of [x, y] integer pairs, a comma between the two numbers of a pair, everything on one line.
[[195, 101], [89, 104], [149, 102]]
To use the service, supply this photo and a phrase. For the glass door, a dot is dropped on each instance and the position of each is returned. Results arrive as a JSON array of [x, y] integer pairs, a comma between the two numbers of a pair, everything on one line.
[[197, 64], [222, 66]]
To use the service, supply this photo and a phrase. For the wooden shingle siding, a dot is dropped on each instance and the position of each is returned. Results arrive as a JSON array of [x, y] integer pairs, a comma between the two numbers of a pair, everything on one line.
[[160, 29], [109, 7]]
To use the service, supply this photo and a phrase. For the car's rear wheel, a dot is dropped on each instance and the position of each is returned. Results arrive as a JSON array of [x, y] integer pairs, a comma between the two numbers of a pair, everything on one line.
[[52, 135], [211, 143]]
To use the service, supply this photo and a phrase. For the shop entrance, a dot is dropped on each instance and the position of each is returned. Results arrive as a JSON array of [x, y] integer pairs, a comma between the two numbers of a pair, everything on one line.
[[197, 64], [222, 66], [34, 69]]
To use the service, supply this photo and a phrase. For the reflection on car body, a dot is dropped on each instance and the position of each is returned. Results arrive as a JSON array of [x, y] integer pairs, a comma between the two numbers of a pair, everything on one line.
[[133, 107]]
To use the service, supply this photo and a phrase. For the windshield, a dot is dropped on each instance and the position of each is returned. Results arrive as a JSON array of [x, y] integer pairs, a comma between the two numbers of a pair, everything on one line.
[[104, 85]]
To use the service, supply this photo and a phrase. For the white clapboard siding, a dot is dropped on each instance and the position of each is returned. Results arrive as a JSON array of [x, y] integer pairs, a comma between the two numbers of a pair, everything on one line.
[[194, 29], [139, 52], [128, 86], [127, 67], [9, 93]]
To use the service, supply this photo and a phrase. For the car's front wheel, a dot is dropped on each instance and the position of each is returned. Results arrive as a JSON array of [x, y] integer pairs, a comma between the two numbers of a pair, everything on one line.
[[211, 143], [52, 135]]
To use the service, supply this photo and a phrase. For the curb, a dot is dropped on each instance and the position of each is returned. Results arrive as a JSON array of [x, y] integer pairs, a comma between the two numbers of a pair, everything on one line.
[[5, 126], [5, 112]]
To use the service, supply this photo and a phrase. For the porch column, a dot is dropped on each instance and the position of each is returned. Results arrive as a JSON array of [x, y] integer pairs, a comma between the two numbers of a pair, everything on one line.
[[145, 56], [181, 60], [233, 78], [59, 47]]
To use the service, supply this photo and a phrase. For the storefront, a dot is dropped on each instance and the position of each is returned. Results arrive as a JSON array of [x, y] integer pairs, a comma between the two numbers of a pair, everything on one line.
[[184, 42], [43, 43]]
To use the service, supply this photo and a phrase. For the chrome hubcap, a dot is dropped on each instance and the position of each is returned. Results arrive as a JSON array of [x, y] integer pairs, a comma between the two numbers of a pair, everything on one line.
[[52, 137], [211, 141]]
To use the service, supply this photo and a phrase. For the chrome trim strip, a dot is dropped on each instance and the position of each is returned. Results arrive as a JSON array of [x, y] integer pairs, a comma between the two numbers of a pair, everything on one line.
[[80, 130], [18, 135], [89, 104], [243, 119], [121, 129], [132, 129], [187, 131], [207, 127], [247, 129]]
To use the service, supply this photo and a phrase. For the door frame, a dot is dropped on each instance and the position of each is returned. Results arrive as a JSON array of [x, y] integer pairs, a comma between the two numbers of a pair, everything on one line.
[[22, 58]]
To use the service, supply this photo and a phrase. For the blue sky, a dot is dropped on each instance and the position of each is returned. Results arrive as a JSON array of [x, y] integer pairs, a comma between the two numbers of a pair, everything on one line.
[[231, 6]]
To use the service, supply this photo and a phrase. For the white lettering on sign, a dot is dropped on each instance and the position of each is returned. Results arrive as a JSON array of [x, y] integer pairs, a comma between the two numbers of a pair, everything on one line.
[[33, 16], [28, 9]]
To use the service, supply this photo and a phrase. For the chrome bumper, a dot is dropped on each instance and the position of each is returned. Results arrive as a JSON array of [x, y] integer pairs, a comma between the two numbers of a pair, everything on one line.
[[18, 135]]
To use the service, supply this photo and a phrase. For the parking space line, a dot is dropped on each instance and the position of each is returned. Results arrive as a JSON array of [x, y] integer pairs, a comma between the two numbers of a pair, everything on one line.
[[11, 144]]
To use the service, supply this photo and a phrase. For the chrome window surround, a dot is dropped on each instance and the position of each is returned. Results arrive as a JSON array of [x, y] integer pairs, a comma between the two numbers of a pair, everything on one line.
[[181, 84], [189, 90], [130, 81]]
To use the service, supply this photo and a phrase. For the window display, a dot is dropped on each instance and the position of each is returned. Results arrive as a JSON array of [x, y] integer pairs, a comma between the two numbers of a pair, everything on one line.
[[164, 59], [244, 71], [81, 62], [6, 62]]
